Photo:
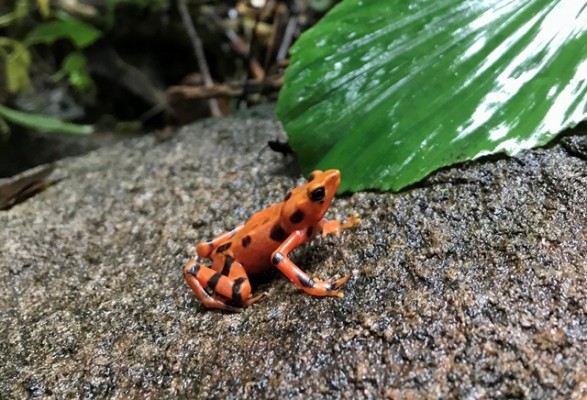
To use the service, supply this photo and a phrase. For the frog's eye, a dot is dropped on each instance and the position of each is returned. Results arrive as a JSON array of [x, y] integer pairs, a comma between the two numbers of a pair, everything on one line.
[[318, 194]]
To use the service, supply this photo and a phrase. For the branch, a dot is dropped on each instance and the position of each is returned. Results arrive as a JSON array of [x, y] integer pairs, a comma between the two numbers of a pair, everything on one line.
[[224, 90], [199, 51]]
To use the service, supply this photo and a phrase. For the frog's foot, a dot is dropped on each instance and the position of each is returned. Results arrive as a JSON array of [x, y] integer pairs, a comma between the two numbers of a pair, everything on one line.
[[351, 221], [335, 227], [253, 299], [327, 288], [236, 291]]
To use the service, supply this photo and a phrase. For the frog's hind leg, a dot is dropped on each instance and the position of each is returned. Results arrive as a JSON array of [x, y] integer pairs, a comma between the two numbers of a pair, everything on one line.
[[241, 289], [227, 278], [198, 276]]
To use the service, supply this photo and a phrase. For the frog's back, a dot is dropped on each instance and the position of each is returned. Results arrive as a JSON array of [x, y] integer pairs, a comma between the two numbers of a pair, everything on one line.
[[259, 238]]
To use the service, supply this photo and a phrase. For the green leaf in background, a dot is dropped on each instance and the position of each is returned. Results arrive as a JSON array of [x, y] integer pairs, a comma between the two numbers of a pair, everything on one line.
[[74, 66], [388, 91], [4, 131], [43, 123], [44, 7], [110, 13], [21, 10], [18, 62], [18, 13], [82, 35]]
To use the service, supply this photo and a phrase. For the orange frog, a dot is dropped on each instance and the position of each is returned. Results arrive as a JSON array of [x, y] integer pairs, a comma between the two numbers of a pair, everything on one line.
[[266, 240]]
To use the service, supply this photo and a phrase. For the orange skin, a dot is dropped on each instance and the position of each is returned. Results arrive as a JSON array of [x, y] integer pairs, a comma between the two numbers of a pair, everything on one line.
[[266, 240]]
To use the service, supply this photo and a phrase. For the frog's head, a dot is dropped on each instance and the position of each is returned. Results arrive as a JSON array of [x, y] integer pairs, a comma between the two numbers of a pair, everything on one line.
[[307, 204]]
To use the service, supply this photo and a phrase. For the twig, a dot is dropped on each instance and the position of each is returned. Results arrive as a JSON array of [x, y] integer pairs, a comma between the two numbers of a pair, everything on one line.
[[199, 51], [249, 58], [287, 38], [279, 16], [225, 90]]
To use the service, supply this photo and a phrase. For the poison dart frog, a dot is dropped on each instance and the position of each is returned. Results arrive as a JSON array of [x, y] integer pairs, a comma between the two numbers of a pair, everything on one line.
[[266, 240]]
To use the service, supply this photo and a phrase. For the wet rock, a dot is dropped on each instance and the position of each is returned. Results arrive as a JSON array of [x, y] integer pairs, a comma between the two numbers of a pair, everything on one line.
[[471, 284]]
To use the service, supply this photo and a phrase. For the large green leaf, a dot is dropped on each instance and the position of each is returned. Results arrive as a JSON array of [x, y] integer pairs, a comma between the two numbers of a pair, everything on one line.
[[387, 91]]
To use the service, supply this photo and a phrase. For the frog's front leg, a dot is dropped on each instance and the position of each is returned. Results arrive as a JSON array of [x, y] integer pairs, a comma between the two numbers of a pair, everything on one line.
[[311, 286], [204, 249]]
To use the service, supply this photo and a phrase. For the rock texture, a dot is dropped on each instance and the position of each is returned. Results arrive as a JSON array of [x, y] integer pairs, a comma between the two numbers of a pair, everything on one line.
[[470, 285]]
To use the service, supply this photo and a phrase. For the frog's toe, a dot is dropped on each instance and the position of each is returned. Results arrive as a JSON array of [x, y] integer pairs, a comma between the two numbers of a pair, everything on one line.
[[218, 303], [333, 285], [351, 220], [253, 299]]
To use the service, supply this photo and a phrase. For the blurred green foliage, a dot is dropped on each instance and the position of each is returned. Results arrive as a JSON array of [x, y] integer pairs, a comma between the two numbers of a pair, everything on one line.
[[17, 62], [18, 54], [79, 33], [42, 123]]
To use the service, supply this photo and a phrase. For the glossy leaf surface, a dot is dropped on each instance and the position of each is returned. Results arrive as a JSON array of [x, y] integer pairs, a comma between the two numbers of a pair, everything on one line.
[[388, 91]]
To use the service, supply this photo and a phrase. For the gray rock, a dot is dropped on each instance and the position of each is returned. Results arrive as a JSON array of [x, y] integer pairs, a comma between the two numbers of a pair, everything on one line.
[[470, 285]]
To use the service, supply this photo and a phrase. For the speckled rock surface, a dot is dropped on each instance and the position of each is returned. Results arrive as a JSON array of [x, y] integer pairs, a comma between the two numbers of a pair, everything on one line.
[[470, 285]]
